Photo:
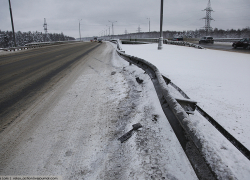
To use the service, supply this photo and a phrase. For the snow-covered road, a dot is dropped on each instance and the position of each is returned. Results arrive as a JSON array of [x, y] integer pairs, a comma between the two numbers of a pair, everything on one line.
[[72, 131]]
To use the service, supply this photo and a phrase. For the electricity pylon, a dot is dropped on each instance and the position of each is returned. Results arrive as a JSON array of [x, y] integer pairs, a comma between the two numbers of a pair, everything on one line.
[[46, 30], [208, 18], [139, 29]]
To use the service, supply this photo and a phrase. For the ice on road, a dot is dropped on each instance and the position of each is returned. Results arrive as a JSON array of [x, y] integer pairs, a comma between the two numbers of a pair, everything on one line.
[[73, 130]]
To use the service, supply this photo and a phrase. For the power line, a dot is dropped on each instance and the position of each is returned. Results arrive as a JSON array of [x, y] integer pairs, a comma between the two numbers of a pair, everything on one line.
[[237, 7]]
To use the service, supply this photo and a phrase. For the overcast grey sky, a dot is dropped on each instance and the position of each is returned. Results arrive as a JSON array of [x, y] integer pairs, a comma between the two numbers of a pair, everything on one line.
[[63, 15]]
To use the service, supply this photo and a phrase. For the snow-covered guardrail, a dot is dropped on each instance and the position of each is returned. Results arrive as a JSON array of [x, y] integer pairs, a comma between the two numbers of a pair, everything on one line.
[[35, 45], [227, 39], [184, 122], [215, 39], [165, 41], [183, 43], [145, 40], [21, 48]]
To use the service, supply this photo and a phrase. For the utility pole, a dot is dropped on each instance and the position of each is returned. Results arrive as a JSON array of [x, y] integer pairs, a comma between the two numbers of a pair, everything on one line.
[[80, 29], [13, 30], [161, 33], [208, 18], [149, 24], [113, 26]]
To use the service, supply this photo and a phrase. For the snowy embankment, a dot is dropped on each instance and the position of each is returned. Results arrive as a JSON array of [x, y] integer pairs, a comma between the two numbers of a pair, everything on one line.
[[219, 81]]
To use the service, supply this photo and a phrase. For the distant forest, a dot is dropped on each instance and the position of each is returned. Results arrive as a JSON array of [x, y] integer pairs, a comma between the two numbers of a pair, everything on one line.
[[216, 33], [22, 38]]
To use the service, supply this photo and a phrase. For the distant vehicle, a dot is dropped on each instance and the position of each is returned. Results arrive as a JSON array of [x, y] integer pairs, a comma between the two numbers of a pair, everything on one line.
[[206, 39], [99, 40], [245, 43], [178, 39]]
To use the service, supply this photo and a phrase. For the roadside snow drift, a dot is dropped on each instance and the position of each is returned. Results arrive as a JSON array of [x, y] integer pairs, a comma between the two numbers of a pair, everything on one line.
[[207, 76]]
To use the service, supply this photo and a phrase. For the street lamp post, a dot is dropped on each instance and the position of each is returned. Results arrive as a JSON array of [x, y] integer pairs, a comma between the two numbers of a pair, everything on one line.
[[13, 31], [109, 30], [149, 24], [112, 27], [80, 29], [161, 34]]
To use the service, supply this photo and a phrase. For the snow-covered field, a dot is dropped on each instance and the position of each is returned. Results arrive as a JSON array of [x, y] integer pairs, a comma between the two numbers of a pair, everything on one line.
[[219, 82]]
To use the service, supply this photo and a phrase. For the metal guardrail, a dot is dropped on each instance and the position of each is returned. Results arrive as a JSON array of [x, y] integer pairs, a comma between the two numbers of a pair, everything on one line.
[[147, 40], [183, 43], [35, 45], [227, 39], [222, 130], [215, 39], [20, 48], [165, 41], [186, 40]]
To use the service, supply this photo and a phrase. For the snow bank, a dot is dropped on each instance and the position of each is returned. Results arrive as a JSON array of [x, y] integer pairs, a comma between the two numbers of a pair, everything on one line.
[[218, 80]]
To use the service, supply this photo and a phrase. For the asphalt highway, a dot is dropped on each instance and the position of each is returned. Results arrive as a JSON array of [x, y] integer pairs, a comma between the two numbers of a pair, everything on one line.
[[223, 47], [25, 73]]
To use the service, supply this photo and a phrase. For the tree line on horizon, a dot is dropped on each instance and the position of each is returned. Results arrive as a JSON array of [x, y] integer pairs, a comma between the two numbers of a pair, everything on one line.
[[216, 33], [22, 38]]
